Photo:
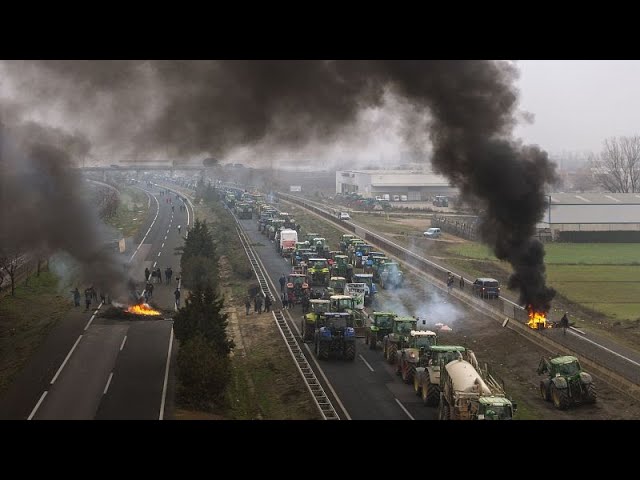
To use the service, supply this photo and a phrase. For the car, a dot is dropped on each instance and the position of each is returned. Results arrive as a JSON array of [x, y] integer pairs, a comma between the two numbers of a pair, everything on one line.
[[344, 216], [486, 287], [433, 233]]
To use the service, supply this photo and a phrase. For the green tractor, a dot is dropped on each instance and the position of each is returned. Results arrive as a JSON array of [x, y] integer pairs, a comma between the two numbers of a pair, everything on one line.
[[410, 355], [566, 383], [318, 271], [342, 267], [381, 325], [243, 210], [321, 246], [378, 261], [336, 286], [426, 381], [346, 241], [310, 236], [398, 338], [335, 334], [310, 320]]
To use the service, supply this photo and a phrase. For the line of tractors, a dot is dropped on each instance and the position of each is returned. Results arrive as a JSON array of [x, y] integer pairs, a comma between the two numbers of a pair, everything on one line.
[[334, 298]]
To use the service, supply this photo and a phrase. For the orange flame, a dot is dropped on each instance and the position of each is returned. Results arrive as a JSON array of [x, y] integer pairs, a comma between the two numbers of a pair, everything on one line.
[[142, 309], [537, 320]]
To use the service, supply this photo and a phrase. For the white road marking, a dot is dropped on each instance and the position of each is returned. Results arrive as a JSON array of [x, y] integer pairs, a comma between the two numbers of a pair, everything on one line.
[[123, 341], [404, 409], [166, 377], [162, 245], [612, 198], [583, 199], [159, 253], [606, 349], [152, 223], [154, 264], [366, 363], [108, 383], [35, 409], [89, 322], [167, 231], [165, 237], [66, 359]]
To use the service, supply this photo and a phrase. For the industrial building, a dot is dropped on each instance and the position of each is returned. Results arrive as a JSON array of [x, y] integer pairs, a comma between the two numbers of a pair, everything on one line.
[[416, 185], [593, 217]]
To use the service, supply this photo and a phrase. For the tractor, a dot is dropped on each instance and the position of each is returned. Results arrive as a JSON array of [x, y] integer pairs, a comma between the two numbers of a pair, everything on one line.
[[375, 267], [310, 236], [361, 254], [321, 246], [310, 320], [566, 383], [381, 324], [335, 334], [346, 241], [390, 275], [370, 289], [426, 381], [336, 286], [318, 270], [410, 355], [342, 268], [398, 338], [297, 287]]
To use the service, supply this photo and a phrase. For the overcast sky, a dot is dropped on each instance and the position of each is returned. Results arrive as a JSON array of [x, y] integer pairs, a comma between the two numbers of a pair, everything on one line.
[[579, 103]]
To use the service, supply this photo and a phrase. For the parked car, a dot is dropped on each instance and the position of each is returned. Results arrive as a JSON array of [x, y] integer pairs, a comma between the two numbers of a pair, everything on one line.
[[344, 216], [396, 198], [433, 233], [486, 287]]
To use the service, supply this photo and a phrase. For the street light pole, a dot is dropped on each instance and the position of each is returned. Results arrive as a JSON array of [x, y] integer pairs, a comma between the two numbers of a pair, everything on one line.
[[549, 206]]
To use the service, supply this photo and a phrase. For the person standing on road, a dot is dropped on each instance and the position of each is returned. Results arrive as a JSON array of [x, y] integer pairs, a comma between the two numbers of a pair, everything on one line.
[[179, 229], [259, 300], [76, 297], [247, 305], [177, 295], [146, 274], [283, 281], [564, 323], [461, 282], [87, 298], [285, 301]]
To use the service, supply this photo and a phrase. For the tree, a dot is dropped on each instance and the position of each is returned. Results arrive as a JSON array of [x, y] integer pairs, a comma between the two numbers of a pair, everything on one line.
[[9, 262], [618, 165], [198, 270], [203, 314], [199, 242]]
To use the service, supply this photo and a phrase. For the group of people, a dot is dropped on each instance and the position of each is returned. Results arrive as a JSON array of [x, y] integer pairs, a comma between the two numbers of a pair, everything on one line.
[[157, 275], [90, 296], [258, 300]]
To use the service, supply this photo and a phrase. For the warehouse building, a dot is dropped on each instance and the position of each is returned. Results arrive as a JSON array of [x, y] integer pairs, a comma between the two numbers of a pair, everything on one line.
[[415, 185], [593, 217]]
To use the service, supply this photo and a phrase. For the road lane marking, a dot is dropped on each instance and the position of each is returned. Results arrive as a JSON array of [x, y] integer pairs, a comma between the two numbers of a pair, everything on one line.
[[404, 409], [165, 237], [159, 253], [154, 264], [35, 409], [162, 245], [152, 223], [123, 341], [66, 359], [89, 322], [167, 231], [108, 383], [166, 376], [366, 363]]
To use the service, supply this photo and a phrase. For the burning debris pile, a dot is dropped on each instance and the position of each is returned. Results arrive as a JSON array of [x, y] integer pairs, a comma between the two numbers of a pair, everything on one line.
[[537, 320], [132, 312]]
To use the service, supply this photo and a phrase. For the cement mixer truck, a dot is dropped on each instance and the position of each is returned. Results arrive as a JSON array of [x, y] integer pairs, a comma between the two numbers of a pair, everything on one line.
[[466, 395]]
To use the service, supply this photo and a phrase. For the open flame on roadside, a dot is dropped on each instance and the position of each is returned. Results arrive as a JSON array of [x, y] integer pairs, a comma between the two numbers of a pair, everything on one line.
[[142, 309], [537, 320]]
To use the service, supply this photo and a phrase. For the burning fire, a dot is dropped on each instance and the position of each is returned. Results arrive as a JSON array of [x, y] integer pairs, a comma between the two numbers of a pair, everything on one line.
[[537, 320], [142, 309]]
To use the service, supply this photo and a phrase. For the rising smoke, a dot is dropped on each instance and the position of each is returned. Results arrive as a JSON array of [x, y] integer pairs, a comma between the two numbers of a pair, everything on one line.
[[465, 111]]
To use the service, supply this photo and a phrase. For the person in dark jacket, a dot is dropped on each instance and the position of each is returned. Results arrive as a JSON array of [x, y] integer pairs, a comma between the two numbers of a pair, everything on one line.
[[267, 303], [283, 281], [564, 323]]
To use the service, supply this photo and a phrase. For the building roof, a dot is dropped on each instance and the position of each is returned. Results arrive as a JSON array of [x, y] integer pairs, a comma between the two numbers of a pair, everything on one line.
[[403, 178]]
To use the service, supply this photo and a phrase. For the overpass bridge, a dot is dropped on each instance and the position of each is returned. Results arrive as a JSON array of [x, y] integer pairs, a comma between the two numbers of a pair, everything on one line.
[[141, 167]]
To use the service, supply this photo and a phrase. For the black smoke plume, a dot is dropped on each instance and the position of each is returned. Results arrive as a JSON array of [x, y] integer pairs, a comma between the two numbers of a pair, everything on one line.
[[467, 111]]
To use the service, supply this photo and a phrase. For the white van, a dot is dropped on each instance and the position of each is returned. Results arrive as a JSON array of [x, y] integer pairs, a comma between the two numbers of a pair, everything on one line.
[[396, 198], [385, 197], [433, 233], [404, 198]]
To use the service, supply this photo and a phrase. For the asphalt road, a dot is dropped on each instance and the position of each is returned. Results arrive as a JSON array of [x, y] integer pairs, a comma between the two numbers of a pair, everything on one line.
[[368, 387], [98, 368]]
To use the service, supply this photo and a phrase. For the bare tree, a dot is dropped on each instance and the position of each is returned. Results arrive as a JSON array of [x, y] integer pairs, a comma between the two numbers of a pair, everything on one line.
[[9, 262], [618, 165]]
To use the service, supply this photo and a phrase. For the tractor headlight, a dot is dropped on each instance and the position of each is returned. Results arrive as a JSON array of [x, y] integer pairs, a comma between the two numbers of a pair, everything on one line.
[[350, 332]]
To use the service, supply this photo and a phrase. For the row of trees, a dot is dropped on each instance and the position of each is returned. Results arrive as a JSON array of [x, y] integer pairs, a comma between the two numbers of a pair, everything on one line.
[[204, 368]]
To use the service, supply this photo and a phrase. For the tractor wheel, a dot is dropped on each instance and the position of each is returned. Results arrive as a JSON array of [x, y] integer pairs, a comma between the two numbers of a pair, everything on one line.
[[592, 394], [372, 342], [560, 397], [366, 337], [416, 386], [392, 353], [444, 411], [544, 391], [431, 395], [323, 351], [350, 351], [408, 372]]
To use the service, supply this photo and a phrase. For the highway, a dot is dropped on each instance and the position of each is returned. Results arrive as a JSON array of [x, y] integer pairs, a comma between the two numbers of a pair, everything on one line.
[[92, 367]]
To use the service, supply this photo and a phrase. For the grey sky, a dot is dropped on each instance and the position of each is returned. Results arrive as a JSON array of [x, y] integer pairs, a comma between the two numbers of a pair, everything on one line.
[[579, 103]]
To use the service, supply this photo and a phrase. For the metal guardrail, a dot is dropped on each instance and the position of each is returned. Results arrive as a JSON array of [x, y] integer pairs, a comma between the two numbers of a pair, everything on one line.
[[320, 398], [597, 359]]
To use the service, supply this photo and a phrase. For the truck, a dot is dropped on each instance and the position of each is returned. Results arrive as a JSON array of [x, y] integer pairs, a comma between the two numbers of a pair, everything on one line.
[[466, 395], [440, 201], [288, 240]]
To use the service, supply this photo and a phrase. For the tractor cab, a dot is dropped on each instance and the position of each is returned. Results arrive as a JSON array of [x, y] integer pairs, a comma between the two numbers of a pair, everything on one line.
[[310, 236], [346, 241], [318, 309], [336, 286], [341, 303]]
